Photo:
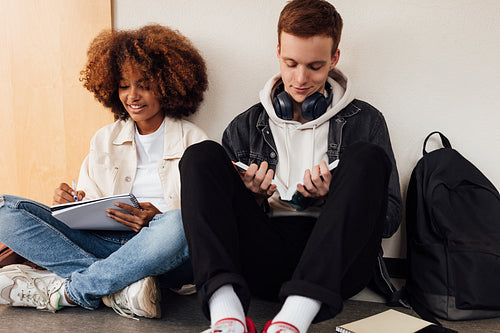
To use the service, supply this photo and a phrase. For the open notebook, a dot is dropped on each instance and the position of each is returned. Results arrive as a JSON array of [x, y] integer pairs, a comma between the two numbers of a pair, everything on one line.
[[91, 214], [286, 193]]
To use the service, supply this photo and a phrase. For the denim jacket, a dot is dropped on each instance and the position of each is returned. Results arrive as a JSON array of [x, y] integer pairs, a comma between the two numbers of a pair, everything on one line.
[[248, 139]]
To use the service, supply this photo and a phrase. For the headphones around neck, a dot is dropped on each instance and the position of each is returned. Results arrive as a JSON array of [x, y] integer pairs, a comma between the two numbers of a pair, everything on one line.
[[312, 107]]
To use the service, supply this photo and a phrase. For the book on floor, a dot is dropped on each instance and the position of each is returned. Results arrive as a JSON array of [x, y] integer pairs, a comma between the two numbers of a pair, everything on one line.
[[390, 321]]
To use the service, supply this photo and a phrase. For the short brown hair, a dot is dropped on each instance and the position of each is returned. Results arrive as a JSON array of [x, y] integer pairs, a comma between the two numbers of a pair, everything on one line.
[[308, 18], [173, 66]]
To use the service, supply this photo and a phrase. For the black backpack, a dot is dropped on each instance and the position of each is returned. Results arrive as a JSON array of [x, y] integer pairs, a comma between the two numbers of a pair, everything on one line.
[[453, 237]]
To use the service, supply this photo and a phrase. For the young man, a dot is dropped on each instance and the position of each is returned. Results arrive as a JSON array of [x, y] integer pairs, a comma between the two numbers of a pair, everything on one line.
[[320, 247]]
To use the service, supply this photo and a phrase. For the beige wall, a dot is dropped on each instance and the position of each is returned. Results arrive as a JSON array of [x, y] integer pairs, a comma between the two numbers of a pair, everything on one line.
[[47, 116], [425, 64]]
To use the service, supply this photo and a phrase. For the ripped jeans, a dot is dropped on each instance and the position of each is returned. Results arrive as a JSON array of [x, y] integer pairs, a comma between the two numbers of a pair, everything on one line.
[[95, 263]]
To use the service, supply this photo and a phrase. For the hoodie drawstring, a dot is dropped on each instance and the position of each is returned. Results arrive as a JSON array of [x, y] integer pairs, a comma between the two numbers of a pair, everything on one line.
[[313, 146], [287, 133]]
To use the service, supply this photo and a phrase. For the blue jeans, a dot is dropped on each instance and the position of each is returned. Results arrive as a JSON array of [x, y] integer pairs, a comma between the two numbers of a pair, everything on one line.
[[94, 263]]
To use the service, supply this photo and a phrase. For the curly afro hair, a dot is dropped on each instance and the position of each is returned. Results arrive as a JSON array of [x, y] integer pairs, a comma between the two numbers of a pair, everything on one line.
[[173, 66]]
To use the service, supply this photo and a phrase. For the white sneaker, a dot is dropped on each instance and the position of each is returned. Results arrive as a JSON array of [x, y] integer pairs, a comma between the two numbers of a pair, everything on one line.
[[22, 285], [279, 327], [185, 290], [141, 298], [232, 325]]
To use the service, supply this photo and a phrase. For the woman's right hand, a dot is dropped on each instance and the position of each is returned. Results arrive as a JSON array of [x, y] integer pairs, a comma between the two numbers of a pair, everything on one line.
[[64, 194]]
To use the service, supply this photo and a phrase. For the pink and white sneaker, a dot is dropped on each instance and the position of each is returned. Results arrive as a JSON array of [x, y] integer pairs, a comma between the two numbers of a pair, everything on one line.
[[280, 327], [231, 325]]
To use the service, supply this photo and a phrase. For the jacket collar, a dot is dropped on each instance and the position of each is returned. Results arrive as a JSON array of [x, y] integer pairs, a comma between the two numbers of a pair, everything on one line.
[[173, 146], [263, 120], [350, 110], [126, 132]]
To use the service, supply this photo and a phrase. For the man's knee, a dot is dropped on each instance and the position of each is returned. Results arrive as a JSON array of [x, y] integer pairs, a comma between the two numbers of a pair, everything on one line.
[[365, 153], [201, 153]]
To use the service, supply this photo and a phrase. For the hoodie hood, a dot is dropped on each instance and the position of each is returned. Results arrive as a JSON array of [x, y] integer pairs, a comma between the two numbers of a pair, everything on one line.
[[301, 146], [342, 96]]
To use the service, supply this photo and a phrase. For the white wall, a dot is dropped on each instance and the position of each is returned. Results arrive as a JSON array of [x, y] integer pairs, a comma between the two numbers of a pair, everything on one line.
[[425, 64]]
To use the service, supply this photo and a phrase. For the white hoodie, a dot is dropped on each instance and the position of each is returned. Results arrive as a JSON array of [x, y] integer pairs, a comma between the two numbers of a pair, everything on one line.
[[302, 146]]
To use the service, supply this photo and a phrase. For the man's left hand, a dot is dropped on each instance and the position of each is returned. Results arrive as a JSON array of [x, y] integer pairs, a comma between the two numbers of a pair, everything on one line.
[[316, 182]]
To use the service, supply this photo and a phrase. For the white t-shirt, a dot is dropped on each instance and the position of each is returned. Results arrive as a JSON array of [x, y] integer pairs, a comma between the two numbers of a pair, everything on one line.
[[147, 183]]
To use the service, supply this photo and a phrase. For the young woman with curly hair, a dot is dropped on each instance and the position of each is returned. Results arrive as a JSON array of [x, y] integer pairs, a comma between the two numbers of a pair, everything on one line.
[[150, 78]]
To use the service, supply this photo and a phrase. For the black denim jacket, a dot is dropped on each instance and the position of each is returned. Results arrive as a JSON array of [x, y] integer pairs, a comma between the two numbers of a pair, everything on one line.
[[248, 139]]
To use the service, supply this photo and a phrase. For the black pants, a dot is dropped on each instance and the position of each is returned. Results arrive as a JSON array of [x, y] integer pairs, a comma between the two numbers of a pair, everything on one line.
[[232, 241]]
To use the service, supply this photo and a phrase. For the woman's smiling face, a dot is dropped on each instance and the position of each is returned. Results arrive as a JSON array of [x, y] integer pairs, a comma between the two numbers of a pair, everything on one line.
[[139, 100]]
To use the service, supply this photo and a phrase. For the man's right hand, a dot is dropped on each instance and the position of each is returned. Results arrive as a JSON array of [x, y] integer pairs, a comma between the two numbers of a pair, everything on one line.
[[64, 194], [258, 180]]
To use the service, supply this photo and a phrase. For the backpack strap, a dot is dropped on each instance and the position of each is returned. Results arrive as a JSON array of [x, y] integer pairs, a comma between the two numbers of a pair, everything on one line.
[[444, 141], [381, 282]]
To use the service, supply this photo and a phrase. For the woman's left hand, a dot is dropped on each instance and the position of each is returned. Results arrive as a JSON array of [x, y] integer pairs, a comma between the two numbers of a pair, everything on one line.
[[137, 219]]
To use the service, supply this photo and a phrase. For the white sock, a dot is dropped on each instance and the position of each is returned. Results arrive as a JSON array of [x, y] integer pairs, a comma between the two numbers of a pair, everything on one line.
[[224, 303], [298, 311], [63, 301]]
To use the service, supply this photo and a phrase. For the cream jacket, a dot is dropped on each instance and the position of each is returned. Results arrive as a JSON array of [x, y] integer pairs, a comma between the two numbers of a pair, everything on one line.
[[111, 165]]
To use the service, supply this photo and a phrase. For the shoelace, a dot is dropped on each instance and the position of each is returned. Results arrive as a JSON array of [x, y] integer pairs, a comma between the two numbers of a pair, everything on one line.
[[119, 303], [41, 297]]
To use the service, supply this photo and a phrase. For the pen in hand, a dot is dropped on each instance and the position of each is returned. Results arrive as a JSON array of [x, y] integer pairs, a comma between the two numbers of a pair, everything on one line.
[[74, 189]]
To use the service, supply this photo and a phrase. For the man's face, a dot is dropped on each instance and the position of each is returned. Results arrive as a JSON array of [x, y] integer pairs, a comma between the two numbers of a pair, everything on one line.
[[305, 63]]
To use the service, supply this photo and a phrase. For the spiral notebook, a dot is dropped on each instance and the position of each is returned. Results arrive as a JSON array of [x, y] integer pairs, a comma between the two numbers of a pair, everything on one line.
[[390, 321], [91, 214]]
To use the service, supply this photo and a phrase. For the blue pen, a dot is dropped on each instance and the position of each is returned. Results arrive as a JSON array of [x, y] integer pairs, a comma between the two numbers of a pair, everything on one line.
[[74, 188]]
